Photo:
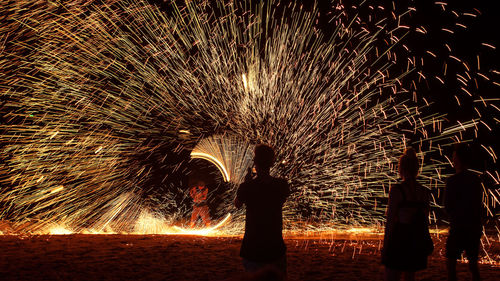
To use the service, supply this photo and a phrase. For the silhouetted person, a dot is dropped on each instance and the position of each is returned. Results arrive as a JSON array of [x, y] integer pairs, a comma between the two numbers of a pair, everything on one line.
[[463, 204], [199, 194], [263, 248], [407, 242]]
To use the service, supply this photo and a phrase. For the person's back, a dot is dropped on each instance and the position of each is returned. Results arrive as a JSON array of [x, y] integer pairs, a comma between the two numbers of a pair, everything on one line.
[[264, 197], [463, 199], [263, 247], [413, 204]]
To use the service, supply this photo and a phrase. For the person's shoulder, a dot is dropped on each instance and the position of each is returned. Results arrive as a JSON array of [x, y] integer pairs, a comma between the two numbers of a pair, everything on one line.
[[451, 180], [280, 182], [423, 190], [244, 189], [396, 188], [251, 184], [281, 186], [470, 174], [475, 180], [464, 176], [246, 184]]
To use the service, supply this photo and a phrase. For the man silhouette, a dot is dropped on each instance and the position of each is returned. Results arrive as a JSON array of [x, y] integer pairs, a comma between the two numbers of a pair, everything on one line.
[[263, 247], [463, 204]]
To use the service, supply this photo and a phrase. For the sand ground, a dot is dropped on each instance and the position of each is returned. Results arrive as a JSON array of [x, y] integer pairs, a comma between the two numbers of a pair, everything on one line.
[[166, 257]]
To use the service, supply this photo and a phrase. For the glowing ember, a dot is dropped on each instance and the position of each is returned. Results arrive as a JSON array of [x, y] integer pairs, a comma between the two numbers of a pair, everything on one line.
[[59, 230], [102, 98]]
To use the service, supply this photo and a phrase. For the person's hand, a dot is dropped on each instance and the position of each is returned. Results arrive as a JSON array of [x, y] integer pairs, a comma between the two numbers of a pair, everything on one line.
[[249, 175], [237, 203]]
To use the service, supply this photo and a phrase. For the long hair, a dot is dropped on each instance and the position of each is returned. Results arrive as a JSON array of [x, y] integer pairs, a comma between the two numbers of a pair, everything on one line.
[[409, 165]]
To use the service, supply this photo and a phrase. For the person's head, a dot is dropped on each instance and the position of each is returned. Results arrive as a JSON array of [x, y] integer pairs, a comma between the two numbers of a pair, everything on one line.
[[263, 158], [461, 157], [408, 165]]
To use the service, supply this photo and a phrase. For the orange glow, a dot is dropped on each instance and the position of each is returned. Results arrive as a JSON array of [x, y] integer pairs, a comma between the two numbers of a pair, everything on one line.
[[60, 230], [215, 161]]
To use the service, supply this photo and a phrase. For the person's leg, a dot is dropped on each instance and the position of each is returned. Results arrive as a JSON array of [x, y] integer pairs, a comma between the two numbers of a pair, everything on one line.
[[474, 270], [453, 252], [391, 274], [205, 215], [194, 216], [472, 251], [251, 266], [451, 266], [409, 276], [281, 265], [273, 270]]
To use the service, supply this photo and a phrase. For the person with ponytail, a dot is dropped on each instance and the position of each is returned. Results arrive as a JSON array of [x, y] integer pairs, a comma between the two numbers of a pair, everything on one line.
[[407, 242]]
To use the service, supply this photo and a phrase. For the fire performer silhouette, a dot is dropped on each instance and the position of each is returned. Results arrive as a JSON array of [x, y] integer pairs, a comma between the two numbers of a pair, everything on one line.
[[199, 194]]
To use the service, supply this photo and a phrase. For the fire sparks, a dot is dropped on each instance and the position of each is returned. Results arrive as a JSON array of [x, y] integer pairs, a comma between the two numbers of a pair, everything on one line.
[[95, 90]]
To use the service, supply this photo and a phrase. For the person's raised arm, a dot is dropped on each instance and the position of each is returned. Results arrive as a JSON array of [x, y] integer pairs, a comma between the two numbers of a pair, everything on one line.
[[237, 203], [285, 190], [238, 200]]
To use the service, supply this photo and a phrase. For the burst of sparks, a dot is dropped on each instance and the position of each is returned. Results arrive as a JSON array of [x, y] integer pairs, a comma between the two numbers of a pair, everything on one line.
[[92, 88]]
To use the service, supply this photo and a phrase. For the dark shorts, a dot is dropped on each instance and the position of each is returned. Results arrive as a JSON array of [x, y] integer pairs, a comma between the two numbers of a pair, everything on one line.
[[278, 265], [462, 239]]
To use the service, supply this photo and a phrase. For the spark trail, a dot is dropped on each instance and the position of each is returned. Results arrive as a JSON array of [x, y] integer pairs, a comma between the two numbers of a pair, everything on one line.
[[93, 88]]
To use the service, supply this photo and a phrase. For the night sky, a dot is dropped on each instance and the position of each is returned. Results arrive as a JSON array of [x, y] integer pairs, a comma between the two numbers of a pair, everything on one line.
[[465, 43]]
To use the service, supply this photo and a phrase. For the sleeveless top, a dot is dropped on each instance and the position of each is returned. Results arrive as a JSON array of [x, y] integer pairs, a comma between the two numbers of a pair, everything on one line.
[[411, 211]]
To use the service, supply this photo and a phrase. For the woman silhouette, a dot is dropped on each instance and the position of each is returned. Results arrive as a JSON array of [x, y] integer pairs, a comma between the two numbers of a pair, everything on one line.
[[407, 241]]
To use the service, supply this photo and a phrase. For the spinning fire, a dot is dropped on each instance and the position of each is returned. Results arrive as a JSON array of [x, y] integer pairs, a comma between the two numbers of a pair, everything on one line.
[[105, 102]]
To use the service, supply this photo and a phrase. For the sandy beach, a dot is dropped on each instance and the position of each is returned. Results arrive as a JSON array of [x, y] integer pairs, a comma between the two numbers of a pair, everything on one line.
[[168, 257]]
